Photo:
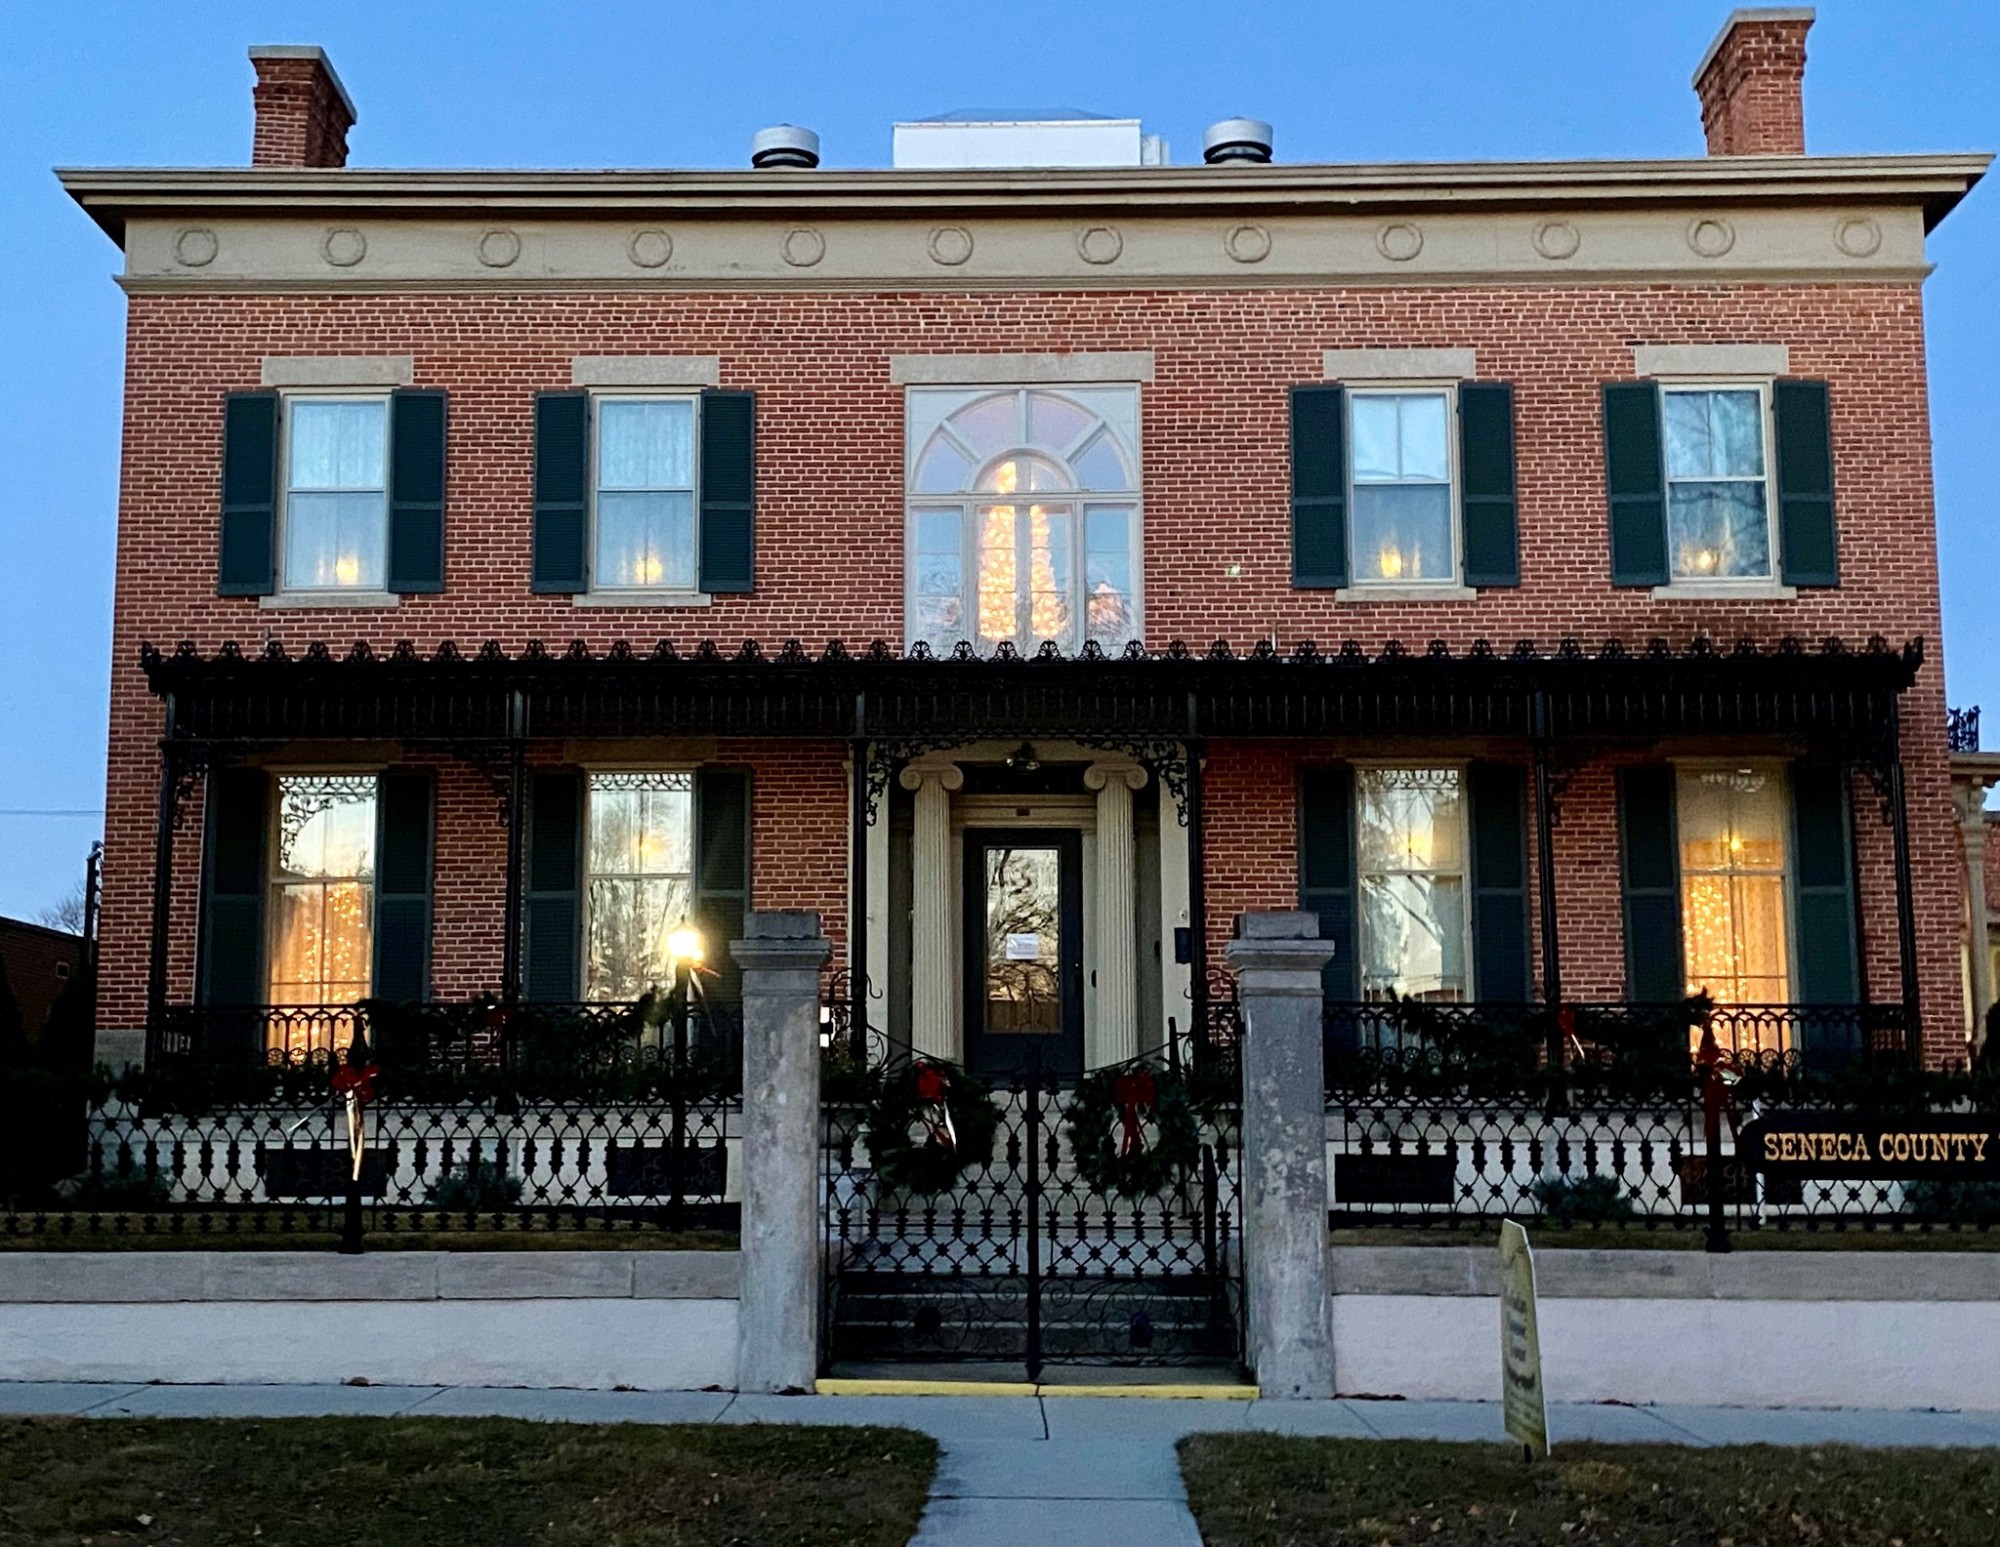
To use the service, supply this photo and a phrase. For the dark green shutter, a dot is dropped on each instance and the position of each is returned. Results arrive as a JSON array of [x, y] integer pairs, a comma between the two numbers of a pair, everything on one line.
[[553, 900], [1497, 793], [1486, 468], [1808, 552], [1326, 871], [236, 817], [1823, 887], [562, 479], [1650, 872], [247, 556], [1636, 483], [721, 873], [404, 804], [1319, 486], [416, 491], [728, 491]]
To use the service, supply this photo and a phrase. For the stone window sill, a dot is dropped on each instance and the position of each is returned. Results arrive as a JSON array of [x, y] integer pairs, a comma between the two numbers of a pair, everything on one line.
[[639, 599], [1406, 593], [289, 599], [1725, 591]]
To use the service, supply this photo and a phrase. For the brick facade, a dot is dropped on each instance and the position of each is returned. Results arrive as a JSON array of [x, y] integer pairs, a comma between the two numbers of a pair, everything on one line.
[[1216, 557]]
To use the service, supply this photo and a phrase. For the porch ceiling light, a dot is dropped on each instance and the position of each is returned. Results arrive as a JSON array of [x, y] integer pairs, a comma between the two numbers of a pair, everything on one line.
[[1022, 759]]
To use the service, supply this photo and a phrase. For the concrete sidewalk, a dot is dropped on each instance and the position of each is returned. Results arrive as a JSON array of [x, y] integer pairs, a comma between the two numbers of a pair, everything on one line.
[[1046, 1471]]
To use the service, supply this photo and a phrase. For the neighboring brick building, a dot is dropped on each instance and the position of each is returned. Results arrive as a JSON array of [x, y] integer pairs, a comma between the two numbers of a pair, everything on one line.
[[1530, 567]]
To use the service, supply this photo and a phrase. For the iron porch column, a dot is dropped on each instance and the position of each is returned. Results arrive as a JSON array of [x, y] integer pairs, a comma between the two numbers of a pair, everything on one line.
[[1906, 911], [857, 884], [163, 885], [1197, 902], [1545, 859], [517, 778]]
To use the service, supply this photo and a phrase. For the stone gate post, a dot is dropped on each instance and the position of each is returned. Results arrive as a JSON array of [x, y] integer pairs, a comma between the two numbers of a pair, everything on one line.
[[1277, 959], [777, 1330]]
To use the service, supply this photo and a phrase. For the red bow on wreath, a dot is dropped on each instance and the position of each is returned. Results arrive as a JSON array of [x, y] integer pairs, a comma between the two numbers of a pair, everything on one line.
[[1133, 1094], [1717, 1104], [356, 1083], [933, 1086]]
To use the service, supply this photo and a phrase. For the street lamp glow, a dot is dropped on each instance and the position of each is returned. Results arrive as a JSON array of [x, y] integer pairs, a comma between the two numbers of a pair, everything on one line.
[[684, 944]]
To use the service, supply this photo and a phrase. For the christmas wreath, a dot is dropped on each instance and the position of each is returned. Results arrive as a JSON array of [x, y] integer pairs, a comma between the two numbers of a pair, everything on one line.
[[930, 1122], [1133, 1129]]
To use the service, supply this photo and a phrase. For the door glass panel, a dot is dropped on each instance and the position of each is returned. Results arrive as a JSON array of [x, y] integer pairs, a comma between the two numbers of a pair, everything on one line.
[[1023, 973]]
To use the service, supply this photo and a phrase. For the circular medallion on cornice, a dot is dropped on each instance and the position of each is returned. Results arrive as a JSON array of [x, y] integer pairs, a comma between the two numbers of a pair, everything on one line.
[[1557, 239], [649, 249], [1247, 243], [343, 247], [1399, 241], [804, 247], [1857, 236], [1711, 236], [499, 248], [950, 245], [196, 247], [1099, 244]]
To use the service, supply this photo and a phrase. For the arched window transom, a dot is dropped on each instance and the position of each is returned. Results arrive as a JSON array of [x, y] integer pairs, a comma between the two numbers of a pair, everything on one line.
[[1023, 516]]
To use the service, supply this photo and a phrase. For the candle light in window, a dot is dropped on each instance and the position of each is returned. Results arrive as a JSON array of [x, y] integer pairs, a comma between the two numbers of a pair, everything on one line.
[[1390, 561], [647, 569], [347, 569], [1704, 561]]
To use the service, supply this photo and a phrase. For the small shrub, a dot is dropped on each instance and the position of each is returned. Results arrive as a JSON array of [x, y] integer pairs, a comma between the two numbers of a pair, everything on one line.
[[102, 1190], [1957, 1203], [1583, 1200], [478, 1186]]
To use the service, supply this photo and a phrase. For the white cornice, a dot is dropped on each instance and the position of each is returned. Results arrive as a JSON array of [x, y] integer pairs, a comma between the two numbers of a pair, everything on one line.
[[112, 195]]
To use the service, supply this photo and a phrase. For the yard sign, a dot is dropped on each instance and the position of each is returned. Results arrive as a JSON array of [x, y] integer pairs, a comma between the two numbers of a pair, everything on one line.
[[1522, 1400]]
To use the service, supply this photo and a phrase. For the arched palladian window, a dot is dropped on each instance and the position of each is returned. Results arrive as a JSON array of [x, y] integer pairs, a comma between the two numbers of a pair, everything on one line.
[[1023, 516]]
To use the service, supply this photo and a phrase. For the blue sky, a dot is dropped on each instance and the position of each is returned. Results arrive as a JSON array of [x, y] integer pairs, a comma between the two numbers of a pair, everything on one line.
[[674, 84]]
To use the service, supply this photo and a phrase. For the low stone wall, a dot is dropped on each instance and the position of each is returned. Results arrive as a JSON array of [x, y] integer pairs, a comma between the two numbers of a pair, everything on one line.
[[650, 1320], [1749, 1328]]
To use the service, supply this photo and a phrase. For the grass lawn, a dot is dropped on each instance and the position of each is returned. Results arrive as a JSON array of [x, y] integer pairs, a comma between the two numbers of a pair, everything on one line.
[[1263, 1490], [455, 1482]]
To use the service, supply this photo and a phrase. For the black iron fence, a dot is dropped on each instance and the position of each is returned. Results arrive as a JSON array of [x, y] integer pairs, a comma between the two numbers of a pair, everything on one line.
[[475, 1119], [1611, 1117]]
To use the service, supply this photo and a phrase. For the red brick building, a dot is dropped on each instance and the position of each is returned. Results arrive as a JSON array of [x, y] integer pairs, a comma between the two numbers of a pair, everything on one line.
[[1529, 567]]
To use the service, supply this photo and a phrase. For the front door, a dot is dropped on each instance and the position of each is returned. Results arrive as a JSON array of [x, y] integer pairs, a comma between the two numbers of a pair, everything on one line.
[[1023, 949]]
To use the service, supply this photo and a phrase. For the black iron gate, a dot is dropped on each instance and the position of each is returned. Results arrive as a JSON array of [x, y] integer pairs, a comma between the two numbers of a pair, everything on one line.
[[1021, 1260]]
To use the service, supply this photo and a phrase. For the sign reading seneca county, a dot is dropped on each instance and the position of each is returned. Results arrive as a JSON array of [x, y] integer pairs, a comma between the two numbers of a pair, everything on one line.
[[1874, 1146]]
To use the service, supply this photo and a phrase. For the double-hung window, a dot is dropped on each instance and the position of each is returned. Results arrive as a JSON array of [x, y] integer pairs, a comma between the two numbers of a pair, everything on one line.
[[644, 494], [322, 906], [335, 518], [1718, 491], [1414, 930], [639, 879], [1023, 508], [1403, 531], [1734, 931]]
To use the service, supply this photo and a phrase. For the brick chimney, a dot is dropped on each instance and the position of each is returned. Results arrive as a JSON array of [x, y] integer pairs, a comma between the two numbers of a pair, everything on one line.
[[1751, 83], [303, 112]]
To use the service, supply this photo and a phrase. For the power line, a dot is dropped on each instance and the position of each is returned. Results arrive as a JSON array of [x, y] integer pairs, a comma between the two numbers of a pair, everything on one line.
[[51, 811]]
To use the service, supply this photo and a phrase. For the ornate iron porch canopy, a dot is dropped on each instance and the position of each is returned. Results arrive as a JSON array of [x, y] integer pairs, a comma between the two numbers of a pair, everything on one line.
[[1830, 694]]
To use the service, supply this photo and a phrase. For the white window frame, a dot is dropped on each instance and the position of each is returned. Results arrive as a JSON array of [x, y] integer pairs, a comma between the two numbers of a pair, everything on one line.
[[1776, 770], [287, 399], [626, 770], [1133, 501], [1761, 586], [640, 595], [1362, 768], [1365, 586]]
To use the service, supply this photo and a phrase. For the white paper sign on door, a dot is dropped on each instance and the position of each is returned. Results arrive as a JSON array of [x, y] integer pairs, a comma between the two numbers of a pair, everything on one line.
[[1024, 948]]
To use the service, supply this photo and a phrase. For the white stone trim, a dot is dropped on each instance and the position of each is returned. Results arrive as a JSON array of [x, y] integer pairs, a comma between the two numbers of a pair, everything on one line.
[[285, 601], [1725, 591], [338, 371], [640, 599], [1707, 360], [1406, 593], [1122, 366], [1399, 364], [645, 371]]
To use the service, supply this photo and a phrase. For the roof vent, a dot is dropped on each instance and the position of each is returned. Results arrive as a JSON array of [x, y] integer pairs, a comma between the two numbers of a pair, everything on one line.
[[1236, 139], [784, 145]]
